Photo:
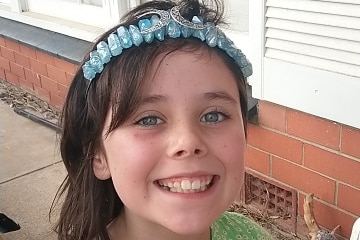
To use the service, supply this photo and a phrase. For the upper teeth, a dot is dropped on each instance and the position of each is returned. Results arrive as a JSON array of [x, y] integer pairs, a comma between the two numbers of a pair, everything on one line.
[[186, 185]]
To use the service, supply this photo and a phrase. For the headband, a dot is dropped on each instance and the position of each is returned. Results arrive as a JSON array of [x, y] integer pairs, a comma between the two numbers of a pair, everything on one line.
[[162, 23]]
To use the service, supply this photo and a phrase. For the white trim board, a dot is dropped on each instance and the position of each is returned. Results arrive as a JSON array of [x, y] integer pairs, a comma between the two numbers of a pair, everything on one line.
[[318, 92]]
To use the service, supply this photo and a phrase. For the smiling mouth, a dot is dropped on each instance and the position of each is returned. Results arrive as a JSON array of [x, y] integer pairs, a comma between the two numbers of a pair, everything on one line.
[[187, 185]]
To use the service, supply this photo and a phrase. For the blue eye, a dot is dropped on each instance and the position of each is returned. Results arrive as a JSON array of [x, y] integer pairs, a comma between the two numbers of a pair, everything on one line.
[[149, 121], [214, 117]]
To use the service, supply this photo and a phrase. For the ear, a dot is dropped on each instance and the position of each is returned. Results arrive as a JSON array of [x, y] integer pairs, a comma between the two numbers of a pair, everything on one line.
[[101, 167]]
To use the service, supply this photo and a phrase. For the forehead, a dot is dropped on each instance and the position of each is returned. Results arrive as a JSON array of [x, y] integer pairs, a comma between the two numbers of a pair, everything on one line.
[[183, 71]]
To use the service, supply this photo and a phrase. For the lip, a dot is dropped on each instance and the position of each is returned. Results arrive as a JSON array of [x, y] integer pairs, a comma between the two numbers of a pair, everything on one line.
[[185, 175]]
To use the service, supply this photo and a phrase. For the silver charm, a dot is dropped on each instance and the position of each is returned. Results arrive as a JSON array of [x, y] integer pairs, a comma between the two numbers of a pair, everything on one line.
[[175, 14], [164, 20]]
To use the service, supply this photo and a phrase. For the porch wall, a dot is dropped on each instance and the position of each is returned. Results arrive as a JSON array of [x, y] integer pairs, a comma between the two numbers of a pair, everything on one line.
[[47, 76], [309, 154]]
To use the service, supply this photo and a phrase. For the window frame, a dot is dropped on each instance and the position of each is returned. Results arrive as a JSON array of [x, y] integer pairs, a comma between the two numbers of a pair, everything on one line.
[[88, 30], [7, 2], [73, 11]]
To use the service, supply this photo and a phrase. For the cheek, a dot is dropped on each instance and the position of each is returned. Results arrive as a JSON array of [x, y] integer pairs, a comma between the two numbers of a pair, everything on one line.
[[130, 163], [130, 178], [233, 152], [234, 146]]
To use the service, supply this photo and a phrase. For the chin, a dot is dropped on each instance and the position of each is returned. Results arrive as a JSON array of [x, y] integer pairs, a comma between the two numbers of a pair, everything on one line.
[[190, 228], [191, 224]]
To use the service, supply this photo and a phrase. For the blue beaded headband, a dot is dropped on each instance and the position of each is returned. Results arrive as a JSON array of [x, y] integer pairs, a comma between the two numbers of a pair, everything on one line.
[[171, 24]]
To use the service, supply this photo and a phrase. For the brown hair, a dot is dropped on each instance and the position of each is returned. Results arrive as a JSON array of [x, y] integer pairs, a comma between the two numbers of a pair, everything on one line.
[[90, 204]]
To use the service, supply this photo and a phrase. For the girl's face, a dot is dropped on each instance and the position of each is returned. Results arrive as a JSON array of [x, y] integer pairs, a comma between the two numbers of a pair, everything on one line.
[[178, 162]]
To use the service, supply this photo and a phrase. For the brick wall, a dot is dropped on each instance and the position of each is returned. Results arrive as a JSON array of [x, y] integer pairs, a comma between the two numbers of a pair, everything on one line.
[[304, 152], [309, 154], [46, 76]]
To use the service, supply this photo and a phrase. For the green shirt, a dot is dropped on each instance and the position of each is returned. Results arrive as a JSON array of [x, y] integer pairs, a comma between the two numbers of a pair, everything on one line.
[[233, 226]]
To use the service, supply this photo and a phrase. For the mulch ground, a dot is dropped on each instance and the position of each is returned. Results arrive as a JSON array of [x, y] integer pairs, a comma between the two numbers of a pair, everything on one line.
[[22, 101]]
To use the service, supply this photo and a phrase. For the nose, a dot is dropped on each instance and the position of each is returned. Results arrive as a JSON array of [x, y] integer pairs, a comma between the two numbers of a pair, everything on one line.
[[186, 141]]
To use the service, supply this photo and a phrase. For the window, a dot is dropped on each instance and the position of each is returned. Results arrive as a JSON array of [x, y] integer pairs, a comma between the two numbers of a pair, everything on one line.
[[306, 56], [73, 10], [83, 19], [237, 14], [7, 2]]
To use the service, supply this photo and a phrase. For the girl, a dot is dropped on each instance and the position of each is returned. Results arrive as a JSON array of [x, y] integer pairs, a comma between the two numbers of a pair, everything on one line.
[[154, 130]]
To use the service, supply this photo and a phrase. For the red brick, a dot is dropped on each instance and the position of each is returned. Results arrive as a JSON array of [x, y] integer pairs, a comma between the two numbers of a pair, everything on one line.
[[313, 129], [57, 74], [12, 78], [257, 160], [45, 58], [2, 41], [27, 51], [8, 54], [350, 139], [33, 77], [56, 101], [26, 84], [332, 165], [69, 78], [17, 69], [38, 67], [42, 93], [329, 217], [2, 73], [63, 90], [5, 63], [275, 143], [303, 179], [12, 45], [22, 60], [272, 115], [65, 65], [49, 85], [349, 199]]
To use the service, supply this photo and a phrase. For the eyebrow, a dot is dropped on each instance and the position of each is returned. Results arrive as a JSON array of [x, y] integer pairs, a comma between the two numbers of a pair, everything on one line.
[[221, 96], [208, 95], [153, 99]]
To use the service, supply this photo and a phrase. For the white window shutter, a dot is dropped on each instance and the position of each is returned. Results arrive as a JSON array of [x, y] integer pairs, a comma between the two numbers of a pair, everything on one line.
[[319, 34], [306, 56], [355, 233]]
